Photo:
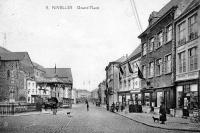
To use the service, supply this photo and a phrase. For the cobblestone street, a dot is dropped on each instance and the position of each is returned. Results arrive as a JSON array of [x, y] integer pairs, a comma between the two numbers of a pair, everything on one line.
[[97, 120]]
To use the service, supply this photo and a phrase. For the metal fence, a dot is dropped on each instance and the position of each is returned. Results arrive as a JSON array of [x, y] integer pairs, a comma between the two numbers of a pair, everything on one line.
[[11, 109]]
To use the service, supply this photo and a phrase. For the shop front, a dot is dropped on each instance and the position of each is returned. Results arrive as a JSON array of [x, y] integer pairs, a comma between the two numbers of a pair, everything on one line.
[[152, 98], [124, 99], [187, 94]]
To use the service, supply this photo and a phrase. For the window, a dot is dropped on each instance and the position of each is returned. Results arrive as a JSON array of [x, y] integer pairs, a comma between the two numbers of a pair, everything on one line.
[[159, 98], [124, 71], [158, 67], [179, 93], [151, 69], [182, 62], [144, 49], [168, 62], [129, 83], [151, 44], [8, 74], [144, 71], [192, 59], [169, 33], [181, 34], [125, 83], [192, 27], [160, 39], [147, 99]]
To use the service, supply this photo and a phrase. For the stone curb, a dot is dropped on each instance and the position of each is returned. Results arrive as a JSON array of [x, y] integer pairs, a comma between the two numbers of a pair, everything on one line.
[[167, 128], [39, 113]]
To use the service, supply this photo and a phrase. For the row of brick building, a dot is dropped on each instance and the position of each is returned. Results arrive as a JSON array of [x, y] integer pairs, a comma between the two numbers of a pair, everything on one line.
[[24, 81], [167, 58]]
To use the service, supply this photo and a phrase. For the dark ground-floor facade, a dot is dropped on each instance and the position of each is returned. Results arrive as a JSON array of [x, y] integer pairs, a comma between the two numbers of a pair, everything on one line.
[[183, 97]]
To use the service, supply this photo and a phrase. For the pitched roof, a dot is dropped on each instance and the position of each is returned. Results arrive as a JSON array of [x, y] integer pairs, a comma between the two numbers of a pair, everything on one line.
[[181, 4], [37, 66], [122, 59], [3, 50], [11, 56], [64, 73], [135, 52]]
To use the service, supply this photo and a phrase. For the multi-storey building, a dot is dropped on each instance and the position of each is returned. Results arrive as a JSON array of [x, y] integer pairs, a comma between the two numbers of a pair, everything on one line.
[[129, 83], [31, 90], [187, 58], [158, 55], [112, 81], [15, 69], [101, 92]]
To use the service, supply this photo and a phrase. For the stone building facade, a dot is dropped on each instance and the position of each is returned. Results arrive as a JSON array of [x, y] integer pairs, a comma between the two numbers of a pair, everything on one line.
[[129, 83], [15, 69]]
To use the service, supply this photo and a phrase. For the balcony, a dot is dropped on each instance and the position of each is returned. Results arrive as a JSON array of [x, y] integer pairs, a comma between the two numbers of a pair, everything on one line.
[[182, 42], [193, 36]]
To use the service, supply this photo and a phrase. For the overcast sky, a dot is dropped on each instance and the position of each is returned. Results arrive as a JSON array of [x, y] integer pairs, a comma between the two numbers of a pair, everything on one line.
[[84, 40]]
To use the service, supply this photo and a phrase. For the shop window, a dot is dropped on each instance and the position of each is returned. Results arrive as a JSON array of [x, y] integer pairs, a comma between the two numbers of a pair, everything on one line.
[[192, 59], [139, 99], [187, 96], [159, 98], [147, 99], [193, 96], [179, 96]]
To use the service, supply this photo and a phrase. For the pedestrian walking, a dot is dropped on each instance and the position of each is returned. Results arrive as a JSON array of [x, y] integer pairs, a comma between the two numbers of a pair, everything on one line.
[[87, 105], [54, 108], [162, 112]]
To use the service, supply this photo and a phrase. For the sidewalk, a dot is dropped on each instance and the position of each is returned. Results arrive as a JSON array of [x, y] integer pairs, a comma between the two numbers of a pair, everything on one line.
[[28, 113], [172, 123]]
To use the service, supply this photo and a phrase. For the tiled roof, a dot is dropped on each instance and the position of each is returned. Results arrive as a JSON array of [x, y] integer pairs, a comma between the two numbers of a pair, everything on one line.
[[122, 59], [11, 56], [64, 73], [135, 52], [191, 4], [181, 4], [36, 65], [3, 50]]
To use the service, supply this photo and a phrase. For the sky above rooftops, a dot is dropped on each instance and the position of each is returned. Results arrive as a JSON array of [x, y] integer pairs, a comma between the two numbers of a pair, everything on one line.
[[84, 40]]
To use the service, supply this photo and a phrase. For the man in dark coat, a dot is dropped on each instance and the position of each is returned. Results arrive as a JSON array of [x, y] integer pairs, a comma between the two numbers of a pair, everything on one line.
[[162, 113]]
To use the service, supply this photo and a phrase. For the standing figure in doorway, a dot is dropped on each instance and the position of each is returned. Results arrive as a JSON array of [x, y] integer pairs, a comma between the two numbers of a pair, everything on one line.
[[162, 113]]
